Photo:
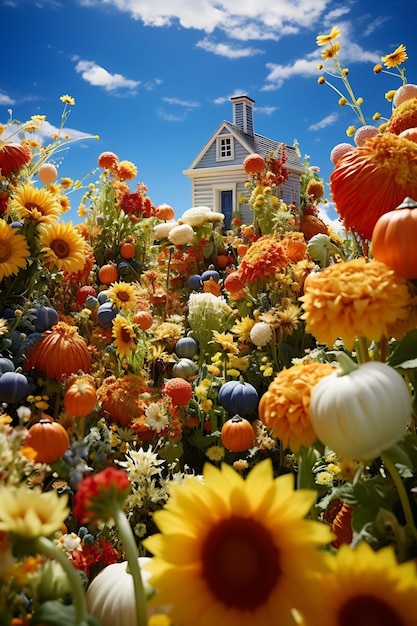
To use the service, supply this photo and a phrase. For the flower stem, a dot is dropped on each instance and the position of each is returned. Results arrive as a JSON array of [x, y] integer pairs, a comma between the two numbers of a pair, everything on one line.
[[49, 549], [390, 466], [131, 552]]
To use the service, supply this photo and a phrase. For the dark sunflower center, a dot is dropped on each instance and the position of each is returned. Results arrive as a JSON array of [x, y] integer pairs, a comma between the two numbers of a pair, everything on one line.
[[369, 611], [125, 335], [31, 206], [61, 248], [5, 252], [123, 296], [240, 563]]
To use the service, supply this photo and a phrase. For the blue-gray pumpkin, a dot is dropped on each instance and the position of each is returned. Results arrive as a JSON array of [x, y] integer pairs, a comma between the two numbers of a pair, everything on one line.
[[14, 387], [237, 396]]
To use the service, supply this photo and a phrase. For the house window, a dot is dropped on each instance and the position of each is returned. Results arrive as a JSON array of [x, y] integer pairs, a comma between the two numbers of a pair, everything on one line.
[[224, 148]]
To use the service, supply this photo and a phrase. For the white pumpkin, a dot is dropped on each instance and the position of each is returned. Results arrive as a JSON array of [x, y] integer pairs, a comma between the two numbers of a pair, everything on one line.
[[111, 597], [361, 413]]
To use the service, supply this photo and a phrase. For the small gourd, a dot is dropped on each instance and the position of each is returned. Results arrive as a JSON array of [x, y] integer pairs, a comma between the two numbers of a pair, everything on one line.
[[237, 396], [108, 273], [80, 398], [6, 365], [184, 368], [127, 250], [106, 313], [186, 347], [394, 239], [48, 438], [362, 410], [14, 387], [211, 272], [143, 319], [237, 434], [46, 317]]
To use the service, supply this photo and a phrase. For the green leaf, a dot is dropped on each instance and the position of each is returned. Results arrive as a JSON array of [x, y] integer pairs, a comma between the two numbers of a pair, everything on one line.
[[54, 613], [405, 351]]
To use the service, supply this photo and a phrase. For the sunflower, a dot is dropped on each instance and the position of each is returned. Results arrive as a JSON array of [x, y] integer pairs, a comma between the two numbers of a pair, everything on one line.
[[14, 250], [365, 587], [243, 327], [35, 204], [354, 299], [285, 407], [239, 550], [124, 336], [62, 247], [29, 513], [123, 296]]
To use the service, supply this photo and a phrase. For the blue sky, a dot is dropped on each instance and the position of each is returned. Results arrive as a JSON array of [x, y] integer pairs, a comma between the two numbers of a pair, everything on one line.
[[153, 78]]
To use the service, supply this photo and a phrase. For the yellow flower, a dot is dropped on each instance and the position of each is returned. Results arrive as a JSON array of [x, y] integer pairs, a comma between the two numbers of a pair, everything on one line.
[[364, 586], [239, 550], [14, 250], [395, 58], [243, 327], [29, 513], [124, 336], [323, 40], [62, 247], [127, 170], [35, 204], [123, 296], [215, 453], [225, 340], [285, 407], [331, 51], [67, 99], [353, 299]]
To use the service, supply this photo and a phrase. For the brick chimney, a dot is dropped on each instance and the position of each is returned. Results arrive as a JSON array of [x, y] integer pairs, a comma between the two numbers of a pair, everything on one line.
[[243, 113]]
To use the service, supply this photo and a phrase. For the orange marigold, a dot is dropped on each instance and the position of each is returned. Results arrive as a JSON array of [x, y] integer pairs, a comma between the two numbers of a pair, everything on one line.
[[354, 299], [253, 163], [263, 259], [285, 407], [372, 179], [403, 117]]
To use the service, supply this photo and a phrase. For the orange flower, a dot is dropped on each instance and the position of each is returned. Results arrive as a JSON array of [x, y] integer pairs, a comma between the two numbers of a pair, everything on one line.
[[179, 390], [119, 397], [354, 299], [108, 160], [372, 179], [295, 246], [285, 407], [126, 170], [403, 117], [263, 259], [253, 163]]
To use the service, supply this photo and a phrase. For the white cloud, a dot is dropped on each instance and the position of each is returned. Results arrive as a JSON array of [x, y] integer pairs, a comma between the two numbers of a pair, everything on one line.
[[100, 77], [188, 104], [6, 100], [227, 50], [326, 121], [239, 19]]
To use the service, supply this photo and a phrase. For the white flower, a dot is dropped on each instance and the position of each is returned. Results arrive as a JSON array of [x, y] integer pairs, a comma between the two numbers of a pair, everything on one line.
[[199, 215], [69, 542], [260, 334], [180, 235], [161, 231], [156, 417]]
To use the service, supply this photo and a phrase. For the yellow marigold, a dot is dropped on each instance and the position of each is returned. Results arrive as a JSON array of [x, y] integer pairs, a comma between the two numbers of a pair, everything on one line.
[[323, 40], [285, 407], [315, 188], [354, 299], [263, 259]]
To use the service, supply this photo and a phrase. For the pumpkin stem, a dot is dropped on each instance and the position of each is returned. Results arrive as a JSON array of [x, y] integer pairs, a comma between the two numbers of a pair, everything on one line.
[[407, 203], [346, 363]]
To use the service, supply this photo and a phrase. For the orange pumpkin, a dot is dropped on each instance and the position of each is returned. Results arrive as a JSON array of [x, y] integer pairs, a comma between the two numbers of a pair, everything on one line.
[[80, 398], [237, 434], [127, 250], [108, 274], [233, 283], [394, 239], [164, 212], [60, 351], [143, 319], [48, 438], [311, 225]]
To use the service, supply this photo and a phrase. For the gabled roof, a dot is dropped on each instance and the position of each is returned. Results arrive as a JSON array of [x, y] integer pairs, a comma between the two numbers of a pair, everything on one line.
[[252, 143]]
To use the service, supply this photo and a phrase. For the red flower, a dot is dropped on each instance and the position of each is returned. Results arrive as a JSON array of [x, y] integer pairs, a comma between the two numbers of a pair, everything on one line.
[[12, 157], [98, 494]]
